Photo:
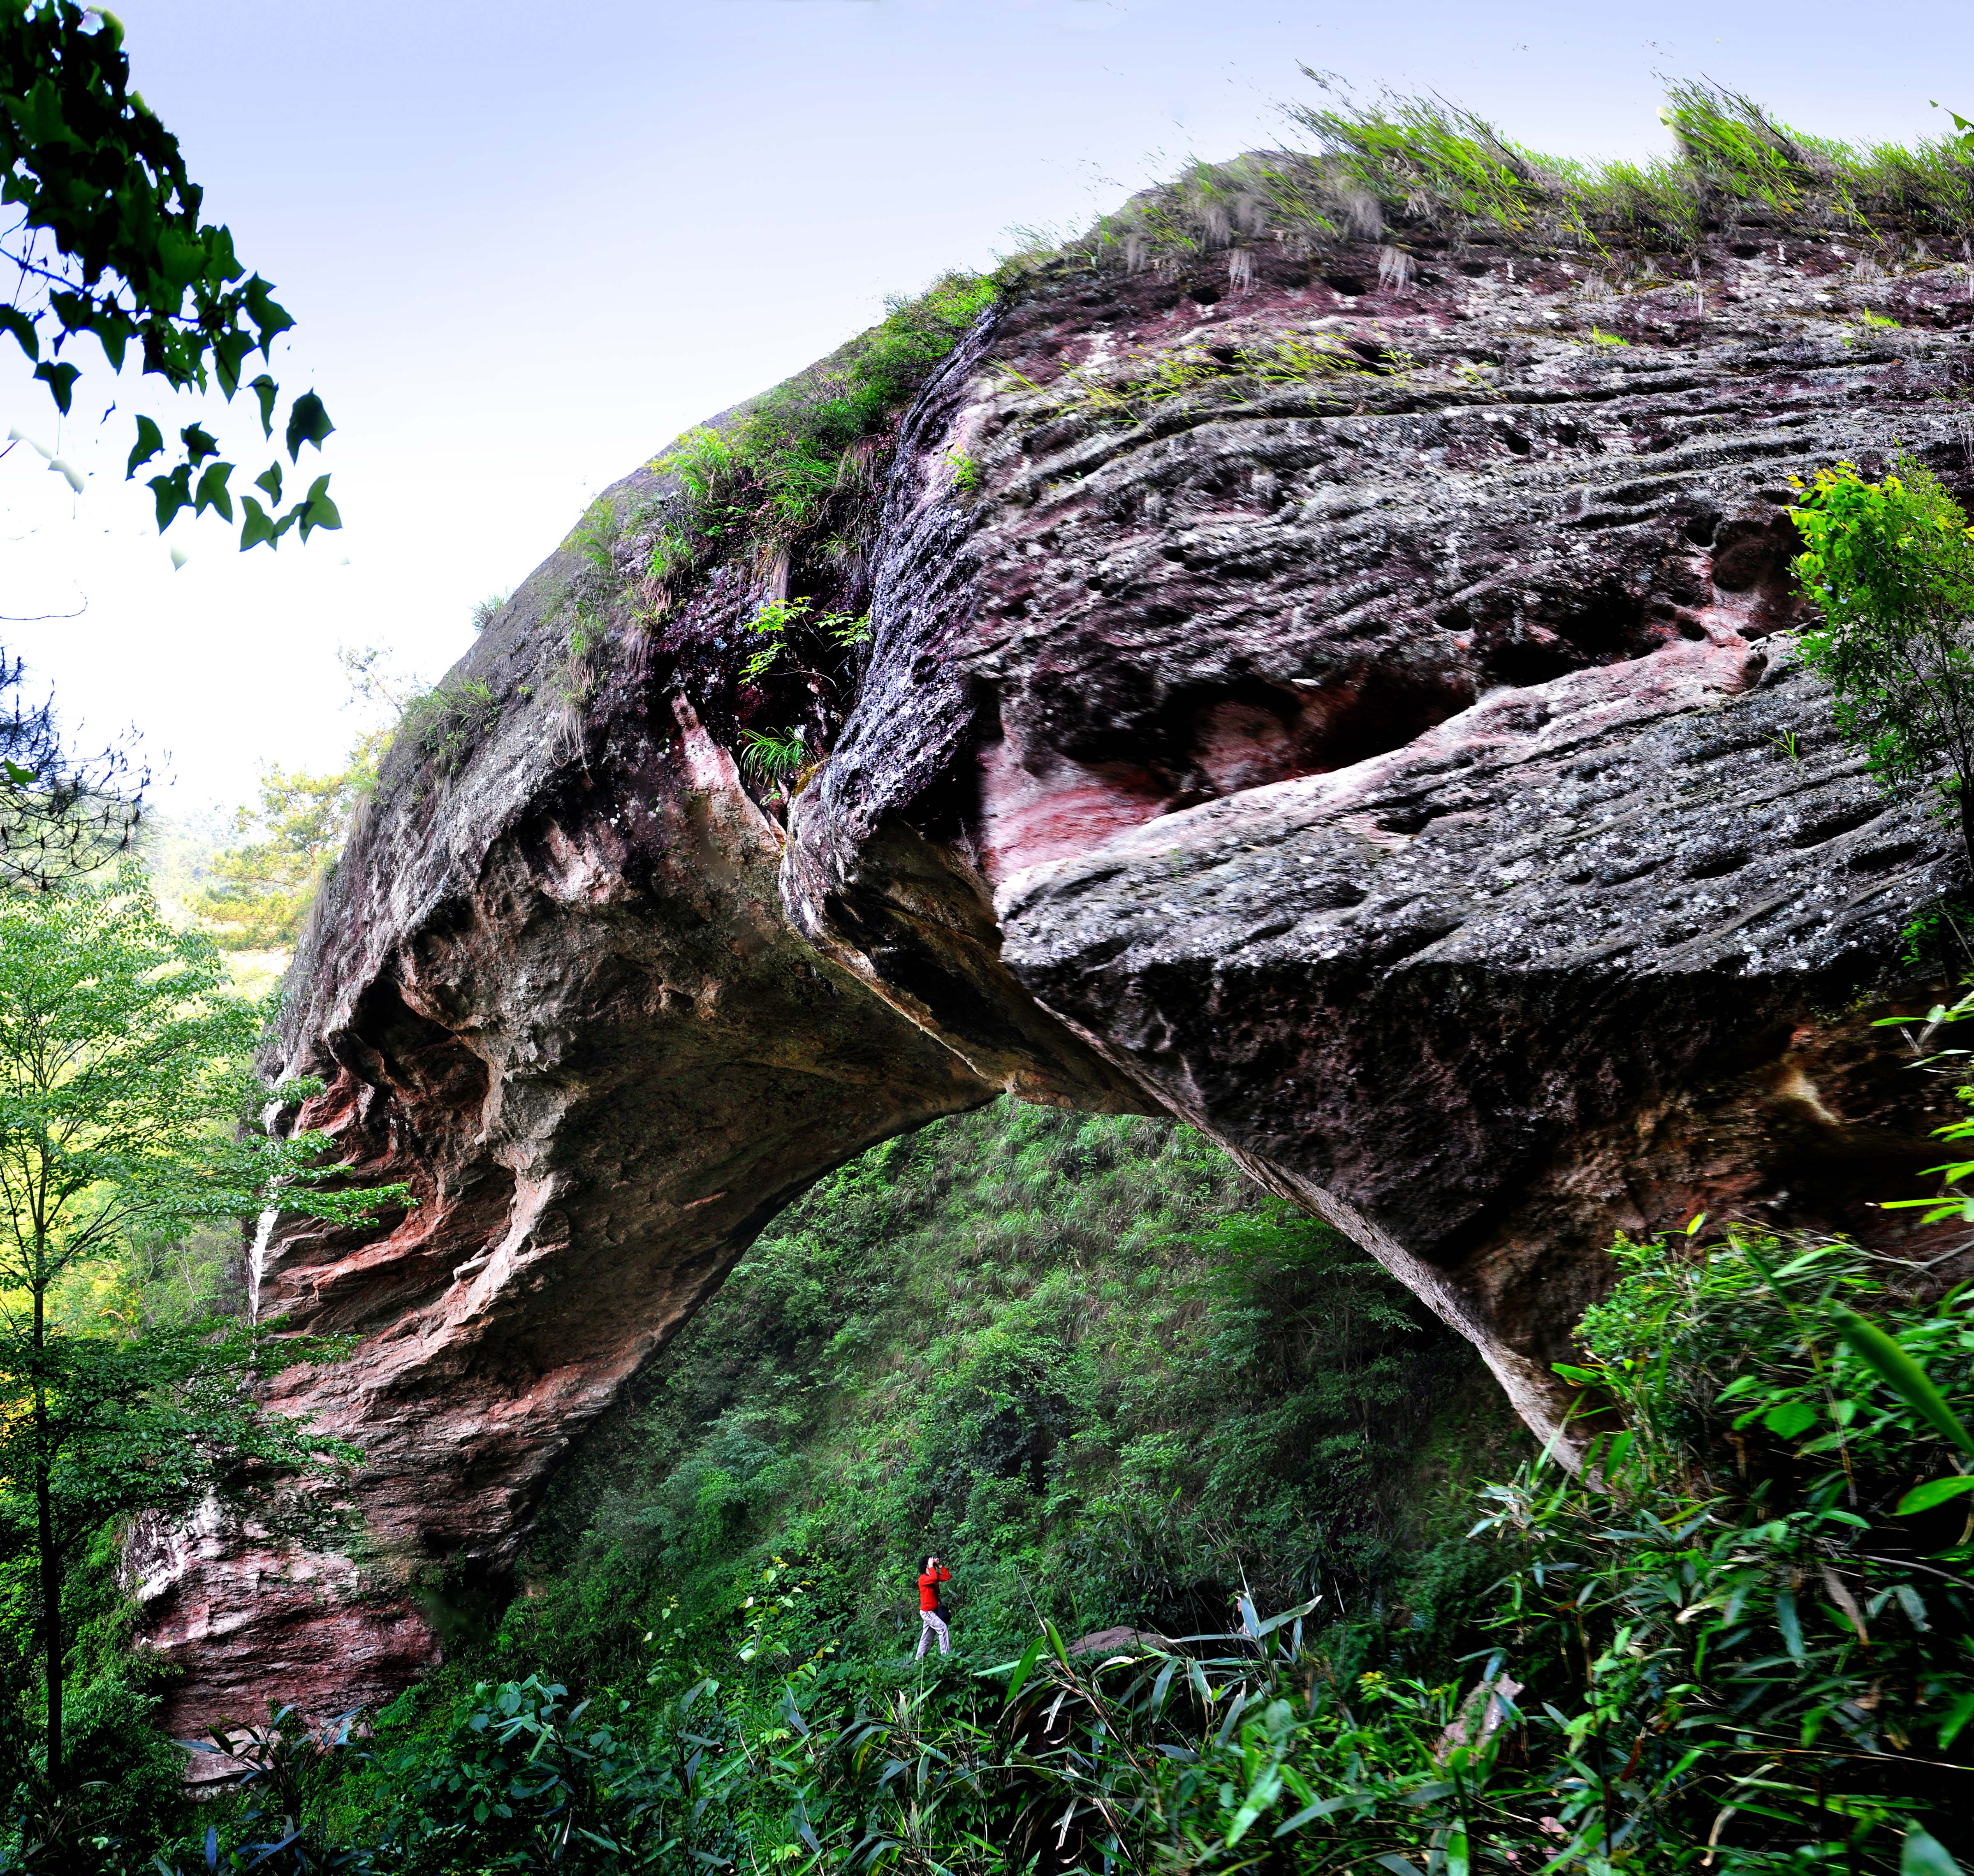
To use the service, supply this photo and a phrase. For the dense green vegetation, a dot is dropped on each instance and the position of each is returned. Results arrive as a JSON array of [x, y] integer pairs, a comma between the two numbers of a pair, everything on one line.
[[1080, 1357], [1118, 1390], [123, 1083]]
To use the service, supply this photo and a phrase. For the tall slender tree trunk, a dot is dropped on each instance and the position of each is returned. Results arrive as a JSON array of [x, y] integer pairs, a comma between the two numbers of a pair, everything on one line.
[[1964, 795], [51, 1558]]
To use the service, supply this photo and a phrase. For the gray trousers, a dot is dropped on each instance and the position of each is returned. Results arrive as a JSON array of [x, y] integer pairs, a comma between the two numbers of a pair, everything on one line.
[[930, 1625]]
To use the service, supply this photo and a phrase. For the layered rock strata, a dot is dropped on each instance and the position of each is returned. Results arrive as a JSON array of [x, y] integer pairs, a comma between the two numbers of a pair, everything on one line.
[[1349, 703]]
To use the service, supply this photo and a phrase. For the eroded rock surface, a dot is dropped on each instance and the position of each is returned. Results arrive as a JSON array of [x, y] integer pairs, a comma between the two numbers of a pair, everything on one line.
[[1402, 771]]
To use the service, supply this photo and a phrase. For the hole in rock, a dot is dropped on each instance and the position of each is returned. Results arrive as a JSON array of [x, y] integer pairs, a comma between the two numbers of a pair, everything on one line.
[[1528, 638], [1826, 827], [1349, 284], [1752, 554], [1250, 734], [1532, 659], [419, 1060], [1884, 859], [919, 1347]]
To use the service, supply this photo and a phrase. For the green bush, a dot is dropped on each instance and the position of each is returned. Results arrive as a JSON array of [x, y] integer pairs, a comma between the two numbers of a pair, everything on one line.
[[1889, 565]]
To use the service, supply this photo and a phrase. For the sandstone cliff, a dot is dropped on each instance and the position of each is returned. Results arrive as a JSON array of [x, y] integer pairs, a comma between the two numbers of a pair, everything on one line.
[[1336, 690]]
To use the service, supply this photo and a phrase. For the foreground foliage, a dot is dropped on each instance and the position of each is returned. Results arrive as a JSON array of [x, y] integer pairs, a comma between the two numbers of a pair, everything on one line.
[[123, 1084], [1737, 1640], [1051, 1348]]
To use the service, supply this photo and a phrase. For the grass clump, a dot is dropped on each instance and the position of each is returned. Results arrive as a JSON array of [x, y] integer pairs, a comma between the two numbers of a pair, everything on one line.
[[803, 462], [779, 761], [449, 722]]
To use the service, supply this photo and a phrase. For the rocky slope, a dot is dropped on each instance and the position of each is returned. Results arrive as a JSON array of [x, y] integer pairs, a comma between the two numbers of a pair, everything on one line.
[[1342, 698]]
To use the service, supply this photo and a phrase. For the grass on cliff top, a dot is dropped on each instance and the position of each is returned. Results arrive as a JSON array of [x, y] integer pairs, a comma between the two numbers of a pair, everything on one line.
[[1420, 167], [801, 464], [796, 476]]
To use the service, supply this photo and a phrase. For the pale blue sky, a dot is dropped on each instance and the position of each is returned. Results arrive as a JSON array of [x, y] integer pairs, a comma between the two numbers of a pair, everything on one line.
[[526, 245]]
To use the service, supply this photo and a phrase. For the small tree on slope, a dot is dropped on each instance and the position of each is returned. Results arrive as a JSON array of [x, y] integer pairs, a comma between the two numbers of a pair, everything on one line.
[[122, 1082], [1890, 566]]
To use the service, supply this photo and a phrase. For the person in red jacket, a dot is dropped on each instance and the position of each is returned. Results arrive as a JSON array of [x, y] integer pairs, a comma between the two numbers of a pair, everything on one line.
[[930, 1622]]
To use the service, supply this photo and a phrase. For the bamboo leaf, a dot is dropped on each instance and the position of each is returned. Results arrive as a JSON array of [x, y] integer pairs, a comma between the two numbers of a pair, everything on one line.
[[1935, 1492], [1898, 1369], [1926, 1855]]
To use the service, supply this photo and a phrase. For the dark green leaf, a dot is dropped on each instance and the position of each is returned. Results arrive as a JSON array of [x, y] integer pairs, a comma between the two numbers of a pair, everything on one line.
[[150, 441], [229, 353], [1321, 1808], [266, 392], [1878, 1350], [60, 381], [317, 510], [198, 444], [212, 492], [308, 422], [173, 492], [269, 482], [258, 527], [113, 332], [1025, 1666], [1790, 1624], [14, 320], [271, 319]]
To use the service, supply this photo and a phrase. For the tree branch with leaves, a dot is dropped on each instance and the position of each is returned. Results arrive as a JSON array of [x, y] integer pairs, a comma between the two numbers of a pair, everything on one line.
[[108, 244]]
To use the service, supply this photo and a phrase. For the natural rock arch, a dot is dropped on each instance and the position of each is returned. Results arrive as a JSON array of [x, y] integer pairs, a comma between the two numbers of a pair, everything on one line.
[[1411, 791]]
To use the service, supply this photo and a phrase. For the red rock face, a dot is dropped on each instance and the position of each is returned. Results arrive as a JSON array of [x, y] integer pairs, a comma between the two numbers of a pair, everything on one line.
[[1403, 772]]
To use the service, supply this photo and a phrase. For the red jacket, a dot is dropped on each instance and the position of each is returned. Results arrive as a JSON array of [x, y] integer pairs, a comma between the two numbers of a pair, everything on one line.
[[928, 1587]]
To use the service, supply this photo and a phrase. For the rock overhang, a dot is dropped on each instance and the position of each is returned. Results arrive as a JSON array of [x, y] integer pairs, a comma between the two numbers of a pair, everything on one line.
[[1405, 777]]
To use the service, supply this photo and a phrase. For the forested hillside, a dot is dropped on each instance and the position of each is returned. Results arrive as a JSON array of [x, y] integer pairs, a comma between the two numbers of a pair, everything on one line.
[[1082, 1358]]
